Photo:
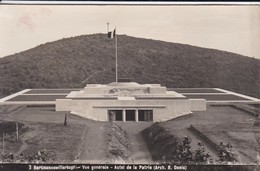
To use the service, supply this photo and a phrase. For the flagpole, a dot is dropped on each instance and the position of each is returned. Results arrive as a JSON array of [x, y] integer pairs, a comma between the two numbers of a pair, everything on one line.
[[107, 26], [116, 54]]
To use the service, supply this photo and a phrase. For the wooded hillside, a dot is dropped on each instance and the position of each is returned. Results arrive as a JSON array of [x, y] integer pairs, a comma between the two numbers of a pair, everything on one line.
[[76, 61]]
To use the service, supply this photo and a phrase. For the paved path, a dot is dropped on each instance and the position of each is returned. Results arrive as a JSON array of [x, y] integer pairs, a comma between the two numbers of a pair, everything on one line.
[[94, 148], [140, 152]]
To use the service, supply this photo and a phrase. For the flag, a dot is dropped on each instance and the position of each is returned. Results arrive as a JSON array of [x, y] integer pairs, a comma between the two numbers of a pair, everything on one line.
[[114, 33], [111, 34]]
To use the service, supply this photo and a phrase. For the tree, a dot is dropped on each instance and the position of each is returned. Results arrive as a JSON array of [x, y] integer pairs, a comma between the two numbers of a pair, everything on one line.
[[183, 151], [200, 155], [65, 120], [225, 153]]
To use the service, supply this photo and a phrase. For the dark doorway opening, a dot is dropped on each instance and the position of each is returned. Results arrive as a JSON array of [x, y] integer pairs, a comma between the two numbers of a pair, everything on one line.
[[145, 115], [130, 115], [115, 115], [119, 115]]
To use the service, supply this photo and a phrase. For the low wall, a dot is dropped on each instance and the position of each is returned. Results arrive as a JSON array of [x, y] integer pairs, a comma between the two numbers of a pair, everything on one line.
[[198, 105], [63, 104], [245, 109], [157, 90], [211, 142], [97, 109]]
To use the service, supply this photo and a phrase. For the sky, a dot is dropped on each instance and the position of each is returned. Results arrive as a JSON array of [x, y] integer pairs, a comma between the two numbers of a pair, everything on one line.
[[229, 28]]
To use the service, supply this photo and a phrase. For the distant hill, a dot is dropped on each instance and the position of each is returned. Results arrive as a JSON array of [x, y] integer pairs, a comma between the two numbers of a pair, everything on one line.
[[73, 62]]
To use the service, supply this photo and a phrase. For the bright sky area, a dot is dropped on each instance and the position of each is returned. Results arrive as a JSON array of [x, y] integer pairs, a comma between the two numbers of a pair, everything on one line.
[[229, 28]]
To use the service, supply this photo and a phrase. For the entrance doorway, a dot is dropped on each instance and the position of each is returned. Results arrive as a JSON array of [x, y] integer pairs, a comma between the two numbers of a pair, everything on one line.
[[130, 115], [145, 115], [115, 115]]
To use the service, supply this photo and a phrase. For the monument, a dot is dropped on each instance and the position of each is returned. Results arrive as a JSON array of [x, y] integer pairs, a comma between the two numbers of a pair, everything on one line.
[[128, 101]]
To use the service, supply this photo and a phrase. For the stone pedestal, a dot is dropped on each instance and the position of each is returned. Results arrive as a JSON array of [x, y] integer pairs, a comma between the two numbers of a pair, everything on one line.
[[123, 115], [136, 115]]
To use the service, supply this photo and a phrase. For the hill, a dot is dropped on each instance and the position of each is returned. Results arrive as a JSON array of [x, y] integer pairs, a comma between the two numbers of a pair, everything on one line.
[[73, 62]]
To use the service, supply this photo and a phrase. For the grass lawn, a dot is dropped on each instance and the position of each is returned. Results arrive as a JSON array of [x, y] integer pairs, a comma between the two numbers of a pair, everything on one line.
[[239, 135], [222, 122], [37, 97], [194, 90], [8, 130], [50, 91], [64, 141], [45, 130], [216, 97], [40, 114]]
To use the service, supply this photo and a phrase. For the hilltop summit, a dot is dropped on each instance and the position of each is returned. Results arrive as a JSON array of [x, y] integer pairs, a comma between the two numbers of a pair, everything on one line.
[[74, 62]]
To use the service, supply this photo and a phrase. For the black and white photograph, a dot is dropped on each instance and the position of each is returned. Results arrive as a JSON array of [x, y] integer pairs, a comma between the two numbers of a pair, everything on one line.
[[129, 87]]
